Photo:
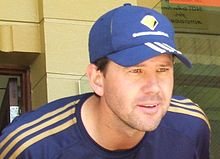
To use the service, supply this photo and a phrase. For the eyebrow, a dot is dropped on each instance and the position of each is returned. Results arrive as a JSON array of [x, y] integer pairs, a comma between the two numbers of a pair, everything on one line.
[[166, 64], [162, 63]]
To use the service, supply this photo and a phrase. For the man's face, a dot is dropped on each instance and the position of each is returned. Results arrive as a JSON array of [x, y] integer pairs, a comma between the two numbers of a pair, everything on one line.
[[138, 97]]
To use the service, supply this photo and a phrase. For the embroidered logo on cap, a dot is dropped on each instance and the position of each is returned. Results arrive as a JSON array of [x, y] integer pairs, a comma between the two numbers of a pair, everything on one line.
[[150, 22]]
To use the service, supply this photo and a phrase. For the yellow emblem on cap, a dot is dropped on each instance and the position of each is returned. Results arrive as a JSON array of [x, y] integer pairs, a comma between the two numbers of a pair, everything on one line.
[[150, 22]]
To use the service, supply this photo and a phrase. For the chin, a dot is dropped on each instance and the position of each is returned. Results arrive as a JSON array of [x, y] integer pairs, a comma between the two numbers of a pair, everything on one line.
[[152, 128], [149, 127], [152, 125]]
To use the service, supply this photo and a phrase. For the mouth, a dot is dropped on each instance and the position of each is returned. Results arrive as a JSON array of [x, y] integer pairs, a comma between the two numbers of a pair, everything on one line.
[[150, 109], [148, 105]]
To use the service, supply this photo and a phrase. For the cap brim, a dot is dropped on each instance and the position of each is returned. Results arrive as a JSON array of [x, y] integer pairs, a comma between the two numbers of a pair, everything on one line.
[[135, 55]]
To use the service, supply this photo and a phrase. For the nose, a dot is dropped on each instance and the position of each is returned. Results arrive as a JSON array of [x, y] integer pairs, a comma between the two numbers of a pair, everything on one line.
[[151, 84]]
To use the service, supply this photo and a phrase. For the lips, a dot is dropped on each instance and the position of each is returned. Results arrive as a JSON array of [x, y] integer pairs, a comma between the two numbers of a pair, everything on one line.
[[148, 108], [148, 105]]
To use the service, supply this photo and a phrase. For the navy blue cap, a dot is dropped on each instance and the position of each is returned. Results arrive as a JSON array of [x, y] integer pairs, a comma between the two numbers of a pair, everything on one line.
[[129, 35]]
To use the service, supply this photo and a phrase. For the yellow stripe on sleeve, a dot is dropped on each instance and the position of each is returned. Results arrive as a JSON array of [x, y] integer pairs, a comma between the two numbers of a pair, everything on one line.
[[35, 129], [188, 112], [36, 121], [42, 136], [192, 107], [184, 101], [22, 127]]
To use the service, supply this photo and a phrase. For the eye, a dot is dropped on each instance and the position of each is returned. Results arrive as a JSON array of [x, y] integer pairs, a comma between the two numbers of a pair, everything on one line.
[[162, 69], [136, 70]]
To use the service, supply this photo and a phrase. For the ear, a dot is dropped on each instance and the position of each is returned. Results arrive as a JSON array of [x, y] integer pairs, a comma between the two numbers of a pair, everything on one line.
[[95, 78]]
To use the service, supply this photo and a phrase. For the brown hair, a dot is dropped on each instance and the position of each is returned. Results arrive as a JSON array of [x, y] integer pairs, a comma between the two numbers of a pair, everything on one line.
[[102, 64]]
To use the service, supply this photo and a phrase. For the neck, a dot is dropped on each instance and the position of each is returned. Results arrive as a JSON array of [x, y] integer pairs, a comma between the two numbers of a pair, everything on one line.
[[105, 129]]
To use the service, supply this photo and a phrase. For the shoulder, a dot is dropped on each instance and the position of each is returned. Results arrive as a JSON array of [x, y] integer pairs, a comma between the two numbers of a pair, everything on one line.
[[187, 119], [181, 107], [37, 126], [46, 111]]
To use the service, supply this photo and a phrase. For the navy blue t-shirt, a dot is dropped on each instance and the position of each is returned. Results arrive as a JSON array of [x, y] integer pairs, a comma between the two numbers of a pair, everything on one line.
[[56, 131]]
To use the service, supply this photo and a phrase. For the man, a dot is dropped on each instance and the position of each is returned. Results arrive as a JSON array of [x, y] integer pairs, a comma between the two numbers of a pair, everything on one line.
[[131, 72]]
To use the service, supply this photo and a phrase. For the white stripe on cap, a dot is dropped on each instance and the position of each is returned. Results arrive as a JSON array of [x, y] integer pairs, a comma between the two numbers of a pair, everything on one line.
[[166, 47], [161, 47], [150, 33], [154, 47], [172, 48]]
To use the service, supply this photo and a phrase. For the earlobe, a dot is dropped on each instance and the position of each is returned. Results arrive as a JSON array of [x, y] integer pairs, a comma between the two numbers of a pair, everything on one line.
[[95, 78]]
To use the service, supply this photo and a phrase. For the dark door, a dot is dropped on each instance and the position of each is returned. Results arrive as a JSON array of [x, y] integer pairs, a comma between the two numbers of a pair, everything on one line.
[[9, 107]]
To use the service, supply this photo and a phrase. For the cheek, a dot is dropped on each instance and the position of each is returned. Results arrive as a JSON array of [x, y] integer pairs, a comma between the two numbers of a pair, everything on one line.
[[167, 89], [119, 84], [120, 92], [168, 85], [167, 82]]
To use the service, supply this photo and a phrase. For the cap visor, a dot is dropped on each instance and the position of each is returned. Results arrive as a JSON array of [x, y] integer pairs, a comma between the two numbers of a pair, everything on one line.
[[135, 55]]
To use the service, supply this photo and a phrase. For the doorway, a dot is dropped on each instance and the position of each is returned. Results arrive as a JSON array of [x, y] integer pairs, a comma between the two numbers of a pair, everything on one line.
[[15, 98]]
